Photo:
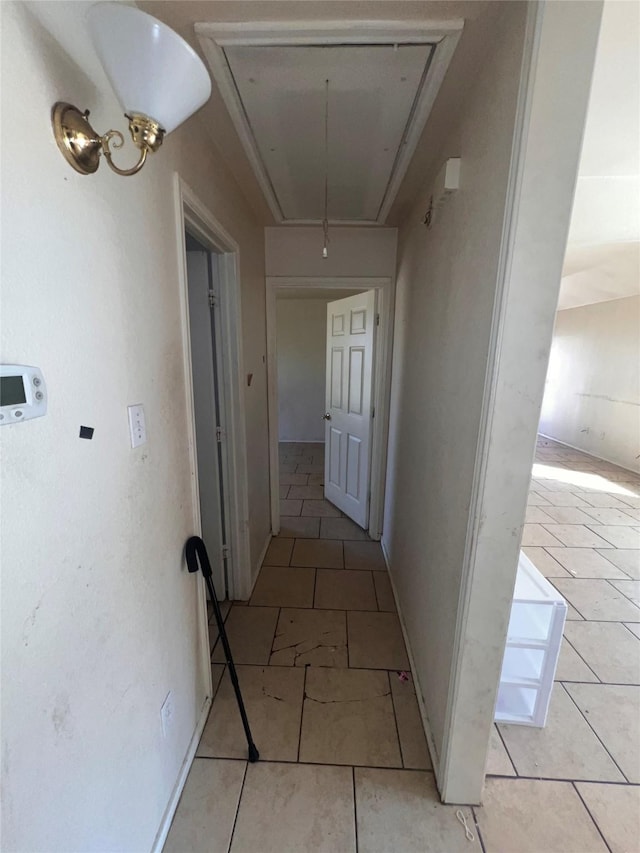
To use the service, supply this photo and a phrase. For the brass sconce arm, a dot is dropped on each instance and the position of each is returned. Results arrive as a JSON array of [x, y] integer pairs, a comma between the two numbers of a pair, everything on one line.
[[82, 146], [118, 142]]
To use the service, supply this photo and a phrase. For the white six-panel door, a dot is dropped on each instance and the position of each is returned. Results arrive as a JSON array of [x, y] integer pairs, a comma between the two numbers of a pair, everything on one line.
[[350, 342]]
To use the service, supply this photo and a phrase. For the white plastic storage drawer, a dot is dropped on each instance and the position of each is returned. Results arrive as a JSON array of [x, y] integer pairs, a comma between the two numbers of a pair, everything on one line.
[[538, 612]]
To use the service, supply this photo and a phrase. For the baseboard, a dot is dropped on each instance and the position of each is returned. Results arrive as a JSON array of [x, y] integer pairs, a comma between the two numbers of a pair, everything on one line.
[[589, 453], [172, 805], [423, 711]]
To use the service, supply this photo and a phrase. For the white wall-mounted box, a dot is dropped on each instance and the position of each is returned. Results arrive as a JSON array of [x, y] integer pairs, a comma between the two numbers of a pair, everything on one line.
[[538, 613], [447, 181]]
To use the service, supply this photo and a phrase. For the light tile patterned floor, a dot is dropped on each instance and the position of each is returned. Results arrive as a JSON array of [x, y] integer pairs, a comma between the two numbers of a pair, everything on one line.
[[344, 765]]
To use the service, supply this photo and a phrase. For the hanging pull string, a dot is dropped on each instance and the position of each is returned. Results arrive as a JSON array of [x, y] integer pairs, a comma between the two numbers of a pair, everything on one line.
[[463, 821], [325, 221]]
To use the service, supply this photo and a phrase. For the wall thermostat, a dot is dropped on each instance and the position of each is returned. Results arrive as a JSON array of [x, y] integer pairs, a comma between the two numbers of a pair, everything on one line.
[[23, 394]]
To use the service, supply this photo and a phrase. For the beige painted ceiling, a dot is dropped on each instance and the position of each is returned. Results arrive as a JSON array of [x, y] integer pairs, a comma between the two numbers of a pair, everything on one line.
[[183, 15], [604, 238], [603, 250]]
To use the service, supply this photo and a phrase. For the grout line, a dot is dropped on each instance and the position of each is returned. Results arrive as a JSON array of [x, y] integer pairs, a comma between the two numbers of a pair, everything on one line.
[[357, 766], [216, 690], [235, 819], [506, 748], [568, 600], [355, 805], [602, 536], [346, 633], [475, 821], [613, 564], [304, 696], [596, 683], [629, 629], [392, 669], [560, 566], [375, 592], [584, 717], [273, 639], [619, 591], [395, 720], [313, 597], [606, 621], [575, 788], [561, 779], [569, 680], [312, 607], [344, 668]]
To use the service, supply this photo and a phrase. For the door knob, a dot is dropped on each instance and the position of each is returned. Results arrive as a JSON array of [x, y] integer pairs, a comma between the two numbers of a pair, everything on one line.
[[326, 416]]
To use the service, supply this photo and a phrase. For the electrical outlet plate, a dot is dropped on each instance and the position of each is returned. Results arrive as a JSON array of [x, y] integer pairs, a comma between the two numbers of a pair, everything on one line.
[[137, 425], [166, 714]]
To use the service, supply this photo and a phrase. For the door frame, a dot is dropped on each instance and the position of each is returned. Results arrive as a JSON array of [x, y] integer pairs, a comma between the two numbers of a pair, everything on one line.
[[384, 287], [191, 214]]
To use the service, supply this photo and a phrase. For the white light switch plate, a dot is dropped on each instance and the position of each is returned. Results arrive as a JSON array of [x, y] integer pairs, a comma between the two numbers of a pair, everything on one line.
[[137, 426]]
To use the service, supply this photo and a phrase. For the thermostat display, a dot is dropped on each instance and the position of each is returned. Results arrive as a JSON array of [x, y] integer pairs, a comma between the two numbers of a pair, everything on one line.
[[22, 393]]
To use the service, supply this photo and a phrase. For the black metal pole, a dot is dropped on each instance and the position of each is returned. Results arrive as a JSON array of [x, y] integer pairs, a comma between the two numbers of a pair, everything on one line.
[[196, 552]]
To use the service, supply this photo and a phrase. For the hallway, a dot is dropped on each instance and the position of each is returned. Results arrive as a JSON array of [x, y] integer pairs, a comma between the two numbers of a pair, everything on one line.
[[430, 152], [323, 667]]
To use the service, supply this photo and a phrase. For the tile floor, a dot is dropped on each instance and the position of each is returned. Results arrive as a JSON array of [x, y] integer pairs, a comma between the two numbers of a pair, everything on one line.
[[344, 764]]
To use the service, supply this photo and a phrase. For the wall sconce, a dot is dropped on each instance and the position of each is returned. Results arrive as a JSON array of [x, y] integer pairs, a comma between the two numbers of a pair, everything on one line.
[[158, 79]]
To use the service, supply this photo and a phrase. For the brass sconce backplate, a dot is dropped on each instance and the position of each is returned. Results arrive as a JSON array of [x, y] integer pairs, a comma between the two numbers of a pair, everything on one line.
[[77, 140], [82, 146]]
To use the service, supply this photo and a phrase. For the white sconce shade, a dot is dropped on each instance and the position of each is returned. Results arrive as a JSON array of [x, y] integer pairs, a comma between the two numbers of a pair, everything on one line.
[[152, 70]]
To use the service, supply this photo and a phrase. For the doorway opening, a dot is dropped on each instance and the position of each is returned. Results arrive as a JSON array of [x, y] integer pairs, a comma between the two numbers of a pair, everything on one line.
[[203, 284], [328, 378], [212, 350]]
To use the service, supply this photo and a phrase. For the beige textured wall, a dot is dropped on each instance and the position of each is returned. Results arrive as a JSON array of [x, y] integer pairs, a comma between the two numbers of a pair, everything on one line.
[[301, 343], [445, 291], [98, 612], [592, 396], [476, 303]]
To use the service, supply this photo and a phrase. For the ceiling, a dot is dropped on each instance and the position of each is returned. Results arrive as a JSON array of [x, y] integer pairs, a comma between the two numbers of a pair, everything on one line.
[[604, 238], [602, 261], [329, 113], [352, 193], [365, 92]]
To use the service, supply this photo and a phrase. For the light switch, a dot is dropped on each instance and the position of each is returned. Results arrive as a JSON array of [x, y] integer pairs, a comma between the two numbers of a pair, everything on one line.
[[137, 426]]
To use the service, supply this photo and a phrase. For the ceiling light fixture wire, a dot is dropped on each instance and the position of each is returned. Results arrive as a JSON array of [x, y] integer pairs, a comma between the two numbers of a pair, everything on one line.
[[325, 221]]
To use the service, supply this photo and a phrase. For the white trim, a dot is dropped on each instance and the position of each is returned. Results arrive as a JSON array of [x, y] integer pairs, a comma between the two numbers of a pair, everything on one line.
[[518, 150], [443, 35], [174, 799], [428, 734], [385, 302], [438, 64], [190, 210], [264, 33], [588, 453], [201, 603]]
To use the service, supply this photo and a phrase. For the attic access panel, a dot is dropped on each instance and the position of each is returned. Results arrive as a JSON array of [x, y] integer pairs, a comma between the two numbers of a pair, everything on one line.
[[373, 93]]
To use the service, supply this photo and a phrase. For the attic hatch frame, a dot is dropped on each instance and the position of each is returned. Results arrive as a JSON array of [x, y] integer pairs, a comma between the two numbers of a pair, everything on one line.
[[443, 35]]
